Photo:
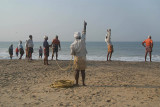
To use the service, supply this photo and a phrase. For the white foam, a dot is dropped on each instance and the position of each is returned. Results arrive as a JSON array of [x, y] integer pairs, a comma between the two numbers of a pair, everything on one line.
[[94, 53]]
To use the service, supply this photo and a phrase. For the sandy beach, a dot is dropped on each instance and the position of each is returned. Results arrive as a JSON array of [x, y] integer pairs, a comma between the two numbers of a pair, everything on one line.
[[109, 84]]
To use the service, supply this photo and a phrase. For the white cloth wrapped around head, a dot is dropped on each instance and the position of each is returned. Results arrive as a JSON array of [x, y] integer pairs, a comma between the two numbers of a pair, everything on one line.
[[77, 35], [45, 37], [149, 36], [78, 47]]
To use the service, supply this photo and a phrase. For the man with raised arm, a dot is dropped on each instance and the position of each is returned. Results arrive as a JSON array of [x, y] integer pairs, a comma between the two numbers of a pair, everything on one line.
[[109, 44], [78, 50], [148, 46]]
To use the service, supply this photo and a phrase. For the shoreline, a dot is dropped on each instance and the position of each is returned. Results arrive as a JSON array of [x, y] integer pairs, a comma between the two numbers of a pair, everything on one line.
[[87, 60]]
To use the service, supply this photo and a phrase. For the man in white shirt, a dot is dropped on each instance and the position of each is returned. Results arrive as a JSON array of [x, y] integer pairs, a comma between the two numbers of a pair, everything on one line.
[[30, 46], [78, 50], [109, 44]]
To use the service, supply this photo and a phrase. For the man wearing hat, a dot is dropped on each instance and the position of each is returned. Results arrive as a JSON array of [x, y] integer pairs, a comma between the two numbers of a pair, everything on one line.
[[148, 46], [78, 50], [30, 47]]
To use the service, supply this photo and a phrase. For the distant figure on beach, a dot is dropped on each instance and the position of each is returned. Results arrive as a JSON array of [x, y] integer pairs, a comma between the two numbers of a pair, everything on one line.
[[40, 52], [26, 49], [11, 51], [17, 51], [148, 46], [21, 50], [78, 49], [30, 47], [55, 45], [46, 50], [109, 43]]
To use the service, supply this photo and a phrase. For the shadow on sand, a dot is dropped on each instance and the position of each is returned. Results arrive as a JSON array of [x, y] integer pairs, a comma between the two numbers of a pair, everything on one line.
[[126, 86]]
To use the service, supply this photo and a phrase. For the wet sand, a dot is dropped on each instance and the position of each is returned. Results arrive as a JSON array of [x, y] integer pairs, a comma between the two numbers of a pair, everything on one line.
[[115, 84]]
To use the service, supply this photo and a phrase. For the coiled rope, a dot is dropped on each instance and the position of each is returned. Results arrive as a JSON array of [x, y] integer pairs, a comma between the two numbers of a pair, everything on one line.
[[64, 83]]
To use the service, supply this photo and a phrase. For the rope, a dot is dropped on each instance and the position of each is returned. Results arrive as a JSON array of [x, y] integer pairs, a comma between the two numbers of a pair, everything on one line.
[[67, 68], [62, 84]]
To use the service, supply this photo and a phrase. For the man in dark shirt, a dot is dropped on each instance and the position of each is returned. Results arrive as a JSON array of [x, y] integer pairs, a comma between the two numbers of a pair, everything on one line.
[[46, 50], [11, 51]]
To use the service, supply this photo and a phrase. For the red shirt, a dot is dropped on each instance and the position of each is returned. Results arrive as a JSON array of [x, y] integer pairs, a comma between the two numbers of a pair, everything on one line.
[[56, 41], [16, 49], [148, 42]]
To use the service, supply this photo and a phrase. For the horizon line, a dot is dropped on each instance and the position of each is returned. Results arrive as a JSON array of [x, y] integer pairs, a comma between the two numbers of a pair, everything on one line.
[[86, 41]]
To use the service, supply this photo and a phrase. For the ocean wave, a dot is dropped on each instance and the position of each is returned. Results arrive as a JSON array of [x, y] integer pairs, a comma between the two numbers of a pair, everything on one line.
[[96, 51], [156, 58]]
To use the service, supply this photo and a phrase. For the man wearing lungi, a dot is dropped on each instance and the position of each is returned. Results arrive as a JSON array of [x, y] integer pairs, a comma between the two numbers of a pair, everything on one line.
[[55, 44], [78, 50], [109, 44], [148, 46], [30, 47]]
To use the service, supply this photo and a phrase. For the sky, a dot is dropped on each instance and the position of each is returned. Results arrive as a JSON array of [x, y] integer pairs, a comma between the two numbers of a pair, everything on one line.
[[129, 20]]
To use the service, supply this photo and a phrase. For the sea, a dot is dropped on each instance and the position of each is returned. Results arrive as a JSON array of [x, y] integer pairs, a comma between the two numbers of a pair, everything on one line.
[[97, 51]]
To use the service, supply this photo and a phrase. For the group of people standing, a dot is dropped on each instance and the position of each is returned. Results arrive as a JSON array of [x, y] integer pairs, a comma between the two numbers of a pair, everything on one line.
[[29, 49], [19, 49], [55, 44], [78, 50]]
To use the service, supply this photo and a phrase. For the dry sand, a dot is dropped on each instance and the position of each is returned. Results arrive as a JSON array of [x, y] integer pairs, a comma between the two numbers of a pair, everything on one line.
[[115, 84]]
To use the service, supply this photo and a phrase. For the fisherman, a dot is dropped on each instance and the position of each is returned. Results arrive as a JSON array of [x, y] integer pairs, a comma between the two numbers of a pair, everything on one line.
[[17, 51], [40, 52], [148, 46], [30, 47], [11, 50], [78, 50], [26, 49], [21, 51], [109, 43], [46, 50], [55, 44]]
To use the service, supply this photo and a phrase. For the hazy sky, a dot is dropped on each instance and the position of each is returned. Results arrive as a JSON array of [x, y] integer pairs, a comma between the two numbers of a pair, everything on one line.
[[129, 20]]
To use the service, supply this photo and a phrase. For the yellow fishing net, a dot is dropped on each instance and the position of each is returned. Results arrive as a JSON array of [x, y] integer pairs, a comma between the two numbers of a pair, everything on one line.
[[62, 84]]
